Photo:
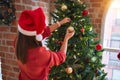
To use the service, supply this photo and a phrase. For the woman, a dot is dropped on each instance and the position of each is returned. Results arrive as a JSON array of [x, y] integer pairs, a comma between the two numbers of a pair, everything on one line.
[[33, 59]]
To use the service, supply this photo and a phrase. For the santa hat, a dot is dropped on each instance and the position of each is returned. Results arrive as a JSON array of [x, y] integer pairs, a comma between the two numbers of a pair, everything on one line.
[[32, 23]]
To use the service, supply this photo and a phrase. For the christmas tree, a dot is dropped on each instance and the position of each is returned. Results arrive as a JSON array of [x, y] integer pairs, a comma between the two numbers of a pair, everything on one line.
[[84, 53]]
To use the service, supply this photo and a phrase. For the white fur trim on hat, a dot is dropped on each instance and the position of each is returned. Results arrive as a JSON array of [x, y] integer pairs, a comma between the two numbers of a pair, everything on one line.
[[27, 33], [39, 37]]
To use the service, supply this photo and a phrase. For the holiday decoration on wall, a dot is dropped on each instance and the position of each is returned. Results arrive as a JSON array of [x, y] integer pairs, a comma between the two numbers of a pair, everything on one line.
[[7, 12], [84, 53]]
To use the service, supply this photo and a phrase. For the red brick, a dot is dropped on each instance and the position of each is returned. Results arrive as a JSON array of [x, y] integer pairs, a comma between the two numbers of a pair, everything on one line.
[[96, 0], [12, 74], [98, 30], [6, 67], [4, 29], [4, 77], [45, 0], [9, 36], [3, 42], [15, 69], [28, 7], [0, 42], [97, 20], [9, 56], [91, 10], [0, 35], [18, 14], [12, 50], [29, 2], [19, 7], [41, 5], [17, 1], [3, 59], [9, 43], [2, 54], [14, 22], [11, 78], [4, 48], [11, 62], [96, 5]]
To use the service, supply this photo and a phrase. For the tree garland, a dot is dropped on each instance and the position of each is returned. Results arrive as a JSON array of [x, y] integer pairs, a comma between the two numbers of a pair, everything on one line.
[[7, 12]]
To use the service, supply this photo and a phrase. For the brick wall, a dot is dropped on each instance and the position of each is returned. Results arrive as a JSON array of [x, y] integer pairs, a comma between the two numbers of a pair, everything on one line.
[[10, 69], [97, 9]]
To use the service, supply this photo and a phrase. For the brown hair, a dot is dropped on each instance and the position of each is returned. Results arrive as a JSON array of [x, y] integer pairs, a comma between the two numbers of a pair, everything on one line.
[[24, 43]]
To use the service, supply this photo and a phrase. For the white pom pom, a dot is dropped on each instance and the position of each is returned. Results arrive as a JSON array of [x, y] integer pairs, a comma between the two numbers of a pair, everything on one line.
[[39, 37]]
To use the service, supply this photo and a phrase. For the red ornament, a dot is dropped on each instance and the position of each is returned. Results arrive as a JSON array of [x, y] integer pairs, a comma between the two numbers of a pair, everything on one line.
[[98, 47], [118, 55], [82, 30], [85, 12]]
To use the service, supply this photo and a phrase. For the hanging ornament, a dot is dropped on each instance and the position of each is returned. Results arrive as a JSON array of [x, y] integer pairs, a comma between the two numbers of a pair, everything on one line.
[[90, 29], [63, 7], [118, 55], [70, 29], [80, 2], [85, 12], [53, 39], [69, 70], [98, 47], [82, 30], [82, 20], [94, 59]]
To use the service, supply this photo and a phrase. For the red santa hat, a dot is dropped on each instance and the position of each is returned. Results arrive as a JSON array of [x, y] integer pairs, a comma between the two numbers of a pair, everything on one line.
[[32, 23]]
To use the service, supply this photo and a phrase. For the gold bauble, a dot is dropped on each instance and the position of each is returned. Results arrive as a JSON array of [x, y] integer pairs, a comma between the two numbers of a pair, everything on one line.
[[80, 2], [70, 29], [63, 7], [69, 70]]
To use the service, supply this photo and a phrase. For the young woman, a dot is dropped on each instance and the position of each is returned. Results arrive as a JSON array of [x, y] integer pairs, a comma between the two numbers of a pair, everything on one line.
[[33, 59]]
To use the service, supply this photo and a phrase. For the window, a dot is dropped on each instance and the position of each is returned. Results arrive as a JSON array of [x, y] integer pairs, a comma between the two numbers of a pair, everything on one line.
[[116, 75], [111, 41], [117, 22]]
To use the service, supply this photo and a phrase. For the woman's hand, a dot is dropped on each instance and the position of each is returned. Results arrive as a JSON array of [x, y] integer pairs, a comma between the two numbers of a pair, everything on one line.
[[68, 35], [53, 27], [65, 20]]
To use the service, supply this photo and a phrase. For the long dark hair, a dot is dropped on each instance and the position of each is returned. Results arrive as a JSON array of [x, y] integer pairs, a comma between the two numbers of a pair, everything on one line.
[[23, 43]]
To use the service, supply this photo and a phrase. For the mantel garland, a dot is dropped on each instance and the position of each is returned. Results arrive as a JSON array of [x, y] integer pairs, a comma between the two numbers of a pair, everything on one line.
[[7, 12]]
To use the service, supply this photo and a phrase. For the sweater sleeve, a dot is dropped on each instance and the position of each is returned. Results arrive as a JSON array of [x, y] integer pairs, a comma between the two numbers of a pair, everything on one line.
[[46, 32], [57, 58]]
